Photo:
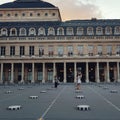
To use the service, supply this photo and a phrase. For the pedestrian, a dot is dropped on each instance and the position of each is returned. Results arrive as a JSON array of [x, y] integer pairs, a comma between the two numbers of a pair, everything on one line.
[[79, 76], [56, 81]]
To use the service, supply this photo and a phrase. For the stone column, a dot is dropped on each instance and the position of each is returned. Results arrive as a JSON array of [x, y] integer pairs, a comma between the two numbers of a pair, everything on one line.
[[43, 81], [118, 72], [22, 79], [64, 72], [87, 73], [108, 72], [12, 72], [33, 72], [75, 72], [1, 79], [54, 71], [98, 74]]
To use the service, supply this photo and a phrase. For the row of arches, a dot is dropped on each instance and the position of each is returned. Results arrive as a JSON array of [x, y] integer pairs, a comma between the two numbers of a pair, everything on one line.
[[60, 31]]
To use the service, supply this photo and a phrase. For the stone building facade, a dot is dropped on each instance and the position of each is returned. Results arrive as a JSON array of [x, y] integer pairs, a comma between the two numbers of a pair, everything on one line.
[[36, 45]]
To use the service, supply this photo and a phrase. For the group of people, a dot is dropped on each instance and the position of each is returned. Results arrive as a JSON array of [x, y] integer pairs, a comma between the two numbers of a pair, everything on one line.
[[78, 81]]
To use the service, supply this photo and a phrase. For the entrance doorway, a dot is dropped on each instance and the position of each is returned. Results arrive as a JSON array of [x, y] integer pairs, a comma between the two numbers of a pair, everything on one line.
[[70, 72], [92, 72], [82, 68], [60, 71]]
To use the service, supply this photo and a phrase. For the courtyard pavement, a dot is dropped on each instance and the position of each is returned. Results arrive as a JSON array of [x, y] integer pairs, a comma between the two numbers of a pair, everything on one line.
[[60, 103]]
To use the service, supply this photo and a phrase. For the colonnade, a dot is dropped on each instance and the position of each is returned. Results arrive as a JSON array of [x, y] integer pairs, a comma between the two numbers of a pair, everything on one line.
[[86, 69]]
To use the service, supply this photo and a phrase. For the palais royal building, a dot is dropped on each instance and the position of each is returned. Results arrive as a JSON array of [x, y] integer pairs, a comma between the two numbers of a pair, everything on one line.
[[36, 45]]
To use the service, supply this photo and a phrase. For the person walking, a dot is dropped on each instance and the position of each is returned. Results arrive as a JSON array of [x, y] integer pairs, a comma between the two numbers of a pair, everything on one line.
[[79, 76], [56, 81]]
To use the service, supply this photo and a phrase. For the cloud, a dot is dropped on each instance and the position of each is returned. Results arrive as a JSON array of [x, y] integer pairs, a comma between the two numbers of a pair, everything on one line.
[[77, 9]]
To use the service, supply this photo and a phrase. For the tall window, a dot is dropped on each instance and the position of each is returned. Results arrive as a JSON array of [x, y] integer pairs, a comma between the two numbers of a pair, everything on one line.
[[2, 51], [41, 51], [109, 50], [99, 50], [118, 50], [90, 31], [22, 50], [70, 31], [50, 51], [60, 51], [90, 50], [80, 50], [31, 50], [70, 50], [12, 50]]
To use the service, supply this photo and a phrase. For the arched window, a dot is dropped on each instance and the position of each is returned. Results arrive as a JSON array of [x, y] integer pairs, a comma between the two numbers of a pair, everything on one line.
[[108, 30], [41, 31], [60, 31], [70, 31], [90, 31], [4, 32], [51, 31], [99, 31], [80, 31], [32, 32], [13, 32], [22, 32], [117, 30]]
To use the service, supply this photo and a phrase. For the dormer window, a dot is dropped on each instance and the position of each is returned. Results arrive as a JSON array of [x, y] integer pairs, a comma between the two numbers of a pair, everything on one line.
[[13, 32], [99, 31], [4, 32], [41, 31], [22, 32], [117, 30], [70, 31], [60, 31], [51, 31], [80, 31], [32, 31], [108, 30], [90, 31]]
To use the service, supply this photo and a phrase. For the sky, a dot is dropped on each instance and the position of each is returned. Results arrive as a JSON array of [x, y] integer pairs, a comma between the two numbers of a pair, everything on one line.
[[85, 9]]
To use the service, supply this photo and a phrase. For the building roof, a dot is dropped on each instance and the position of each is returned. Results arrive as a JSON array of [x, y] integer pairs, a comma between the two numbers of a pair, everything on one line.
[[27, 4]]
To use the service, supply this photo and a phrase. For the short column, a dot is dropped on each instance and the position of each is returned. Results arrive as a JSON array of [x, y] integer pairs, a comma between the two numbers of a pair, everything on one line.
[[1, 79], [33, 72], [64, 72], [98, 74], [118, 72], [108, 72], [43, 81], [87, 73]]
